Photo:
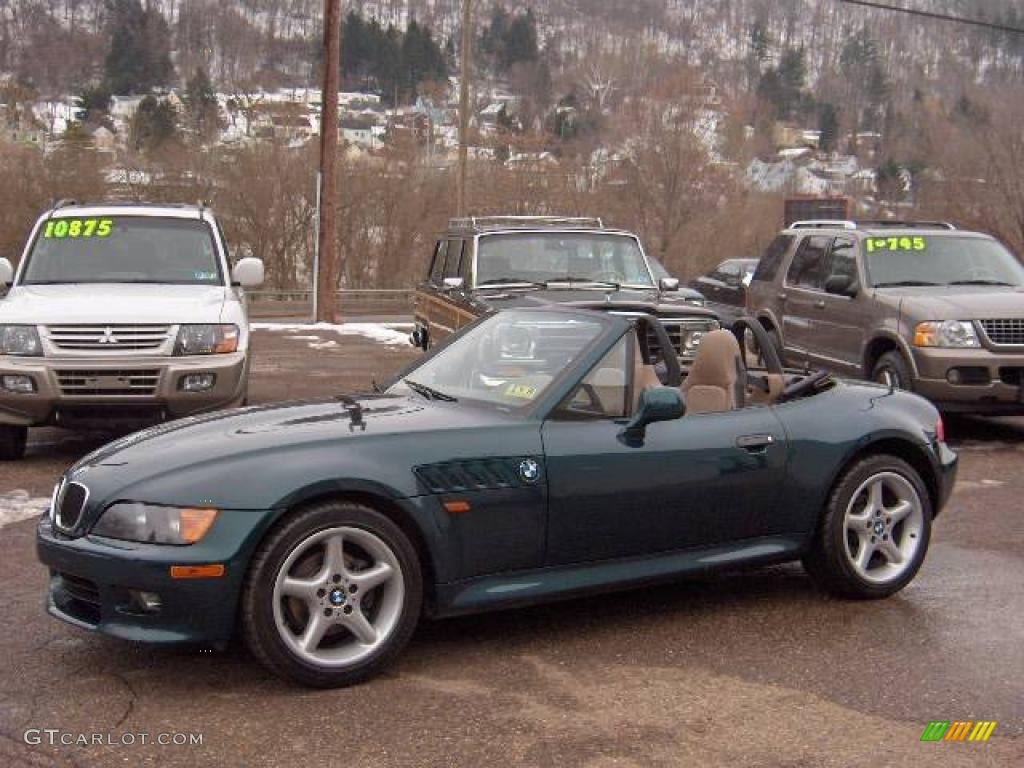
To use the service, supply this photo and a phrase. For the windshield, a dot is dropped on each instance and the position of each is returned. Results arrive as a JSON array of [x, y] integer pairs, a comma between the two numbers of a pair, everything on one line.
[[920, 260], [561, 256], [509, 360], [123, 249]]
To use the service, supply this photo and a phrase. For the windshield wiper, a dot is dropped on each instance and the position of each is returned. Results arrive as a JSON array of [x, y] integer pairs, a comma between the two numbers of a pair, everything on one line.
[[504, 282], [905, 284], [574, 279], [981, 282], [428, 392]]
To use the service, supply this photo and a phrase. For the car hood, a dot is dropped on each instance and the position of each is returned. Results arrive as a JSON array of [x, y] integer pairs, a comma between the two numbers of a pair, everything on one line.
[[113, 303], [201, 439], [962, 302], [624, 300], [249, 458]]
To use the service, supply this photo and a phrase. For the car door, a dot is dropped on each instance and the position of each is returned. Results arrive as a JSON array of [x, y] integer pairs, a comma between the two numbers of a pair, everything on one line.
[[841, 319], [428, 296], [800, 295], [697, 481]]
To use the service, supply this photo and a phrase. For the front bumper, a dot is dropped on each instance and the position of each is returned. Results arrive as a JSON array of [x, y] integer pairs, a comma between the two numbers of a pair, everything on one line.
[[94, 582], [971, 380], [79, 387]]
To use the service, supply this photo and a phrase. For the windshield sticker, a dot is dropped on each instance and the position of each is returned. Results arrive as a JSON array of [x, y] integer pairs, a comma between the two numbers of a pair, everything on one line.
[[521, 391], [204, 275], [895, 244], [63, 229]]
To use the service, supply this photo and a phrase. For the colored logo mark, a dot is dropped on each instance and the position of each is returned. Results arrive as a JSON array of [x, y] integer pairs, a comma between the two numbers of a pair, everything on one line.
[[958, 730]]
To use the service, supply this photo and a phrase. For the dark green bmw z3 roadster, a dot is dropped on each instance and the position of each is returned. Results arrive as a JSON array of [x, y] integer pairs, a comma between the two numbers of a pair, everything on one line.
[[537, 455]]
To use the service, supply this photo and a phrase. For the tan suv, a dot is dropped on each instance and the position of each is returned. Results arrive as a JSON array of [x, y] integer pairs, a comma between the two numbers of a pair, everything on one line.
[[919, 305]]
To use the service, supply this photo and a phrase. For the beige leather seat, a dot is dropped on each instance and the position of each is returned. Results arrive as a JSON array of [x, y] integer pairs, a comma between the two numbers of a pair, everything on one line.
[[717, 380]]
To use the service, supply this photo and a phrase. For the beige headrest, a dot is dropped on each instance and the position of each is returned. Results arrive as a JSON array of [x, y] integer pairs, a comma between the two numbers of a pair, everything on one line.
[[715, 364]]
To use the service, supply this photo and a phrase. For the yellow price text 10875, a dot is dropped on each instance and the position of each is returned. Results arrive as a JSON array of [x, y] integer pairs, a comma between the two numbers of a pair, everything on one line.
[[61, 229]]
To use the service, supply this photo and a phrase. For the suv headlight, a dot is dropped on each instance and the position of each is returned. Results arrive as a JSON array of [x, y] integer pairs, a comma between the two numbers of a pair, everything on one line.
[[147, 523], [206, 340], [946, 333], [21, 340]]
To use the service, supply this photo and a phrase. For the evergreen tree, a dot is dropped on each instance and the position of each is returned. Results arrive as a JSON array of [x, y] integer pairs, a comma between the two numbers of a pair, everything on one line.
[[93, 105], [828, 126], [155, 122], [139, 57], [201, 109]]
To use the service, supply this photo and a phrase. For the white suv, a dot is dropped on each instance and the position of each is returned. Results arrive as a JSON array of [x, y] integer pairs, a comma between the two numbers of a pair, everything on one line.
[[121, 313]]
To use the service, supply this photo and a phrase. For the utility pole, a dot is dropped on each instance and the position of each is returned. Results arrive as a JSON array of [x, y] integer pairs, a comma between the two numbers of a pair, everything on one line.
[[465, 58], [327, 224]]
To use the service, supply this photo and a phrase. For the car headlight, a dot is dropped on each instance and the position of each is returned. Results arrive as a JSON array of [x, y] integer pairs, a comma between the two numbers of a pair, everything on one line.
[[132, 521], [206, 340], [946, 333], [22, 340]]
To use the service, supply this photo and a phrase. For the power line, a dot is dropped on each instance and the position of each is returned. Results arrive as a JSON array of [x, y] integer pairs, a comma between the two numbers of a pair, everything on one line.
[[936, 16]]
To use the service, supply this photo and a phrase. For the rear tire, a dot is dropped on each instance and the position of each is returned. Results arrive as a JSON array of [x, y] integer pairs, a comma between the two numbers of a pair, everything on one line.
[[12, 442], [892, 370], [875, 532], [332, 595]]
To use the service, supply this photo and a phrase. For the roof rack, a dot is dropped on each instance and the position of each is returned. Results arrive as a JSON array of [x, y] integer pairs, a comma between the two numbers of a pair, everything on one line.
[[823, 224], [64, 202], [487, 222], [879, 223]]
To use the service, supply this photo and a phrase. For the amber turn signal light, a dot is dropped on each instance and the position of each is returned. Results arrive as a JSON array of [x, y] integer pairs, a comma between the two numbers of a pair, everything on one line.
[[197, 571], [195, 523]]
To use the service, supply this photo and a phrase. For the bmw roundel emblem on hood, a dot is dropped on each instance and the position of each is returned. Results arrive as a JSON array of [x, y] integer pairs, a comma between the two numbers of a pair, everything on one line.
[[529, 471]]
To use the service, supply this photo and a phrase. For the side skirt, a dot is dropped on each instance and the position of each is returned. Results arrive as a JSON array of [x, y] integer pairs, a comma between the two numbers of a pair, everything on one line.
[[509, 590]]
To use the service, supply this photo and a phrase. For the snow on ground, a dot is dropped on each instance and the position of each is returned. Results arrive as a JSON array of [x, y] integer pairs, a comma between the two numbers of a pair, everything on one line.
[[390, 334], [16, 506]]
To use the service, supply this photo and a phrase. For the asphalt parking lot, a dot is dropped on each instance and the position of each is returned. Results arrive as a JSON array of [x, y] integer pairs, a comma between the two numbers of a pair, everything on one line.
[[750, 669]]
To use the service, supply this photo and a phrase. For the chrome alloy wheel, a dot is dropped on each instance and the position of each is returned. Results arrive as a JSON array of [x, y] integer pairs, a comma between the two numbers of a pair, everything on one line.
[[338, 596], [883, 527]]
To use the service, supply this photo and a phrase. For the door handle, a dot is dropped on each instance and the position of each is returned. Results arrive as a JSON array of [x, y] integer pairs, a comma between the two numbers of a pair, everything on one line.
[[819, 304], [754, 443], [781, 296]]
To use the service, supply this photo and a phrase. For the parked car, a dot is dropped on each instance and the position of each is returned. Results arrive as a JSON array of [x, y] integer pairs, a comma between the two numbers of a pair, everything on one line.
[[121, 313], [725, 288], [921, 306], [485, 264], [535, 456]]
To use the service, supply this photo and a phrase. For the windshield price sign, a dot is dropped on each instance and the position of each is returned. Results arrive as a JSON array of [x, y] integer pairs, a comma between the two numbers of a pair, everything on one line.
[[62, 229], [895, 244]]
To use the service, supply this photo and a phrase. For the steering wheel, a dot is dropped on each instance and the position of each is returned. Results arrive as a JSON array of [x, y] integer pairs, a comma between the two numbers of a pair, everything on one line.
[[608, 276], [804, 385]]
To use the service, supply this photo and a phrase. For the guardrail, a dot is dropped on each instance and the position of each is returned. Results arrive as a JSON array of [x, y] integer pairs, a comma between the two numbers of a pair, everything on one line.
[[349, 301]]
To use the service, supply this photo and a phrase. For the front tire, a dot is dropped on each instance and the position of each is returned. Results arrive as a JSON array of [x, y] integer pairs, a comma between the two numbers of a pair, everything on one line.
[[892, 370], [875, 532], [332, 596], [12, 442]]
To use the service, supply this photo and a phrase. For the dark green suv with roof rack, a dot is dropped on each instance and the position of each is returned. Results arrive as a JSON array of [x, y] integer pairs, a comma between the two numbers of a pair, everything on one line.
[[918, 305]]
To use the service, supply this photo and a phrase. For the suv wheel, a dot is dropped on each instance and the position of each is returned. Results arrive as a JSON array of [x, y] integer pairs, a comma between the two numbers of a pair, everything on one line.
[[892, 370], [875, 532], [12, 442], [332, 596]]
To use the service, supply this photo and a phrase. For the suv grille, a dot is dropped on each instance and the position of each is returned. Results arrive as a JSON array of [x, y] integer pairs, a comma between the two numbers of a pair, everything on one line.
[[685, 335], [71, 499], [1005, 332], [108, 338], [109, 383]]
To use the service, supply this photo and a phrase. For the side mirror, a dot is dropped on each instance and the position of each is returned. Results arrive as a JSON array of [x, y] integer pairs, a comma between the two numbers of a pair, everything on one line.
[[841, 285], [656, 404], [248, 272], [453, 283], [6, 272], [669, 284]]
